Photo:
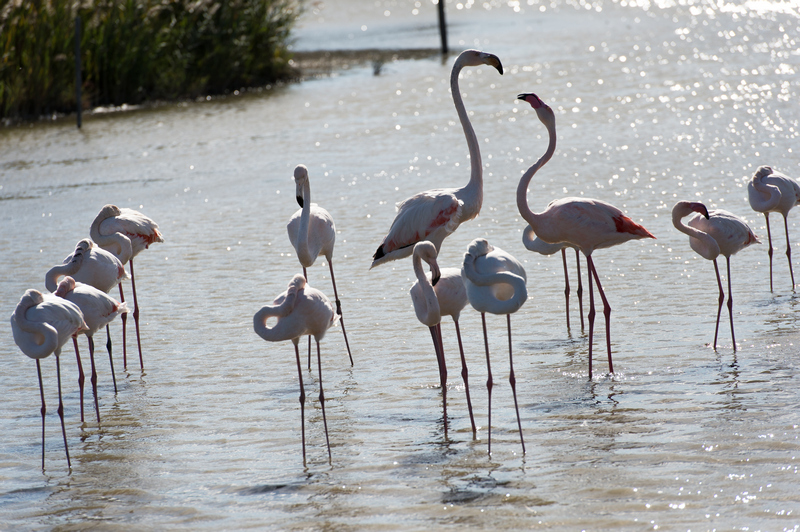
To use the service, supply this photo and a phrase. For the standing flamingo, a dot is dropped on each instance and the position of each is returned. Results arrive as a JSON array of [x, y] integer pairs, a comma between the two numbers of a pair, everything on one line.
[[495, 283], [312, 231], [588, 224], [301, 310], [41, 325], [90, 264], [440, 293], [125, 233], [536, 244], [99, 309], [712, 234], [434, 214], [769, 191]]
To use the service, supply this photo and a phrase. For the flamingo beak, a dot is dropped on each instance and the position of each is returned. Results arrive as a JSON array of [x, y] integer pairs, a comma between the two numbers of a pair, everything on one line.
[[699, 207], [300, 201]]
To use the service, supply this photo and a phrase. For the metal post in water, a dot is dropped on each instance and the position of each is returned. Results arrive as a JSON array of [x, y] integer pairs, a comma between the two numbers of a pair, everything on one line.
[[78, 78], [442, 27]]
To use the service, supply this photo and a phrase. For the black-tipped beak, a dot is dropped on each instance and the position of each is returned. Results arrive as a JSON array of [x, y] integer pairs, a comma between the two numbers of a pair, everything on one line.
[[300, 201], [435, 279]]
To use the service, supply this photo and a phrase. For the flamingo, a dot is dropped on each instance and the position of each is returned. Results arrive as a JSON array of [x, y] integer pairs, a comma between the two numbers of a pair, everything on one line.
[[41, 325], [98, 309], [301, 310], [769, 191], [125, 233], [536, 244], [440, 293], [312, 231], [434, 214], [711, 234], [588, 224], [495, 283], [90, 264]]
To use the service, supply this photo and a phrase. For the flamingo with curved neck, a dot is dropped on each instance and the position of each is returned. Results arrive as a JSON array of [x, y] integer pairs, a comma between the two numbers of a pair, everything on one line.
[[711, 234], [495, 283], [440, 293], [588, 224], [41, 325], [312, 232], [434, 214], [300, 310], [769, 191]]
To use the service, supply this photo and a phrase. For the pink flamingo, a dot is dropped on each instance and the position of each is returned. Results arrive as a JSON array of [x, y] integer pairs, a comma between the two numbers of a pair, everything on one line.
[[41, 325], [495, 283], [92, 265], [586, 223], [312, 232], [440, 293], [712, 234], [768, 191], [536, 244], [125, 233], [98, 309], [434, 214], [301, 310]]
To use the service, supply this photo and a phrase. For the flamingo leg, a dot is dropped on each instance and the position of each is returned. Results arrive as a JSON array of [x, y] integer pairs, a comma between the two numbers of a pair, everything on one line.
[[489, 382], [465, 377], [339, 311], [788, 250], [589, 266], [442, 372], [730, 303], [81, 376], [580, 286], [124, 318], [513, 381], [721, 300], [94, 377], [111, 358], [769, 250], [302, 401], [606, 313], [566, 281], [61, 407], [43, 410], [322, 401], [136, 315]]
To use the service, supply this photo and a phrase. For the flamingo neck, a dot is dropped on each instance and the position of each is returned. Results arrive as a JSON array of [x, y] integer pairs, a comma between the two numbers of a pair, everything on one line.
[[117, 244], [431, 314], [517, 282], [40, 338], [765, 197], [522, 189], [473, 191], [704, 244], [303, 253]]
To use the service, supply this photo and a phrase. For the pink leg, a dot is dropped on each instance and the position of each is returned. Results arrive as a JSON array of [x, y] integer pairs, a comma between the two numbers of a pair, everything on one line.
[[94, 377], [302, 401], [43, 410], [110, 358], [464, 376], [136, 315], [788, 250], [124, 319], [730, 303], [442, 372], [513, 381], [769, 250], [606, 313], [81, 376], [590, 267], [580, 286], [489, 382], [61, 408], [566, 281], [322, 401], [721, 299], [339, 311]]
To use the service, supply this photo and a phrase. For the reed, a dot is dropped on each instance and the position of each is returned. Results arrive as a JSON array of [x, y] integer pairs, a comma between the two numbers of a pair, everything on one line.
[[138, 50]]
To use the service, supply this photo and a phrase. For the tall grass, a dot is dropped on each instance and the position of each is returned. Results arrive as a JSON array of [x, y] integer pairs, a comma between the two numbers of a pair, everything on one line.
[[137, 50]]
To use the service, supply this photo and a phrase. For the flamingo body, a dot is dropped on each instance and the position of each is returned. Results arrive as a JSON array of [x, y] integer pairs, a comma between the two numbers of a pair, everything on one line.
[[89, 264]]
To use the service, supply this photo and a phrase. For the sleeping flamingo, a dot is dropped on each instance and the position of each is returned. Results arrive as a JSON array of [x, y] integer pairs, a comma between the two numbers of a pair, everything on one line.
[[495, 283], [41, 325], [588, 224], [440, 293], [90, 264], [312, 231], [301, 310], [712, 234], [434, 214], [536, 244], [98, 309], [125, 233], [768, 191]]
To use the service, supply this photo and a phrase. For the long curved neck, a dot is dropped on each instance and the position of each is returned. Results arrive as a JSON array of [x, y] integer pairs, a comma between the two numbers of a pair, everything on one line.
[[708, 248], [56, 272], [282, 330], [303, 253], [475, 185], [763, 197], [431, 314], [34, 331], [115, 243], [522, 189], [517, 282]]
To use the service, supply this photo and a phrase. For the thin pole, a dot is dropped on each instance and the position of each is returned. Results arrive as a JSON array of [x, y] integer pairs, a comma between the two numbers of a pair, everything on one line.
[[78, 78]]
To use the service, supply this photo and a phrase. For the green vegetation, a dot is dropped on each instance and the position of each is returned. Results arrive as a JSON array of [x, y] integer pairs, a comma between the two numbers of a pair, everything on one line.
[[137, 50]]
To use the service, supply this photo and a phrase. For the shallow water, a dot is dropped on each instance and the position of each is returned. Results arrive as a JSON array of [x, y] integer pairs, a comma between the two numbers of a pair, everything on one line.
[[655, 102]]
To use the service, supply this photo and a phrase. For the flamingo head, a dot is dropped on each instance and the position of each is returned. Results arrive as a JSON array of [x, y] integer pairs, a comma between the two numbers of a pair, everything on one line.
[[476, 58], [762, 172], [545, 113], [479, 247], [300, 179], [66, 286]]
